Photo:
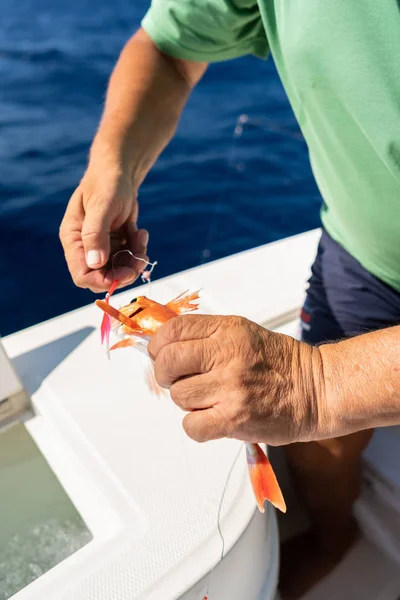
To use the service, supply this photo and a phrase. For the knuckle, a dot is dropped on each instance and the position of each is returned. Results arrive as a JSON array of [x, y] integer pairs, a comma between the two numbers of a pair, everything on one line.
[[162, 366], [242, 327], [225, 424], [175, 352], [79, 280], [174, 328], [152, 347], [61, 231], [235, 321], [79, 283], [64, 231], [88, 235], [103, 200], [233, 379], [162, 361], [213, 356], [178, 396]]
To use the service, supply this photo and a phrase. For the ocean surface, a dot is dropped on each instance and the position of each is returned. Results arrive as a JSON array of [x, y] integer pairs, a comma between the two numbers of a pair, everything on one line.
[[212, 193]]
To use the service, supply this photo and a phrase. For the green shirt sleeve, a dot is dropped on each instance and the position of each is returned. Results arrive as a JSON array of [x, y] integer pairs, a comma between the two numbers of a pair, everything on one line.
[[206, 30]]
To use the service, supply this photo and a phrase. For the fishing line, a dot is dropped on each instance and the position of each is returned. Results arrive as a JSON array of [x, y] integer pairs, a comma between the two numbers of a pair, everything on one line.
[[237, 132], [222, 501], [224, 490], [145, 275], [232, 165], [269, 125]]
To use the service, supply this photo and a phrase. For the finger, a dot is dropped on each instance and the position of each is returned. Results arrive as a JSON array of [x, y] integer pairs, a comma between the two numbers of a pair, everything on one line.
[[71, 240], [183, 328], [126, 242], [206, 425], [81, 275], [124, 275], [96, 235], [137, 241], [196, 392], [70, 228], [118, 241], [182, 359]]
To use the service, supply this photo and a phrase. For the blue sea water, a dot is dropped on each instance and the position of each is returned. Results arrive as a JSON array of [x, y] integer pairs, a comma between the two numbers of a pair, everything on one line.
[[210, 194]]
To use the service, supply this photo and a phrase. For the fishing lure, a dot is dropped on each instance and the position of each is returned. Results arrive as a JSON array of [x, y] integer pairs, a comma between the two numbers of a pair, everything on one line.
[[138, 321], [145, 275]]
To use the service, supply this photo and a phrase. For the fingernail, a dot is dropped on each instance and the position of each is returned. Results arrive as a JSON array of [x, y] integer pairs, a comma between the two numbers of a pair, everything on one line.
[[143, 237], [93, 258]]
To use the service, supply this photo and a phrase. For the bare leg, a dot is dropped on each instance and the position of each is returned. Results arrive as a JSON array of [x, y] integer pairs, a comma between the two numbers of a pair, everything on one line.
[[327, 479]]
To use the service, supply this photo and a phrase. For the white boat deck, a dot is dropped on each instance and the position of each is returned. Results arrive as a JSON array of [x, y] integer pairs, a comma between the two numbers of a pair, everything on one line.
[[149, 495]]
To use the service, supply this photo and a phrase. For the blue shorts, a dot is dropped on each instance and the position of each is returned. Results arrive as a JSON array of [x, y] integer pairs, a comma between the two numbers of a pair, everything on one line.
[[343, 299]]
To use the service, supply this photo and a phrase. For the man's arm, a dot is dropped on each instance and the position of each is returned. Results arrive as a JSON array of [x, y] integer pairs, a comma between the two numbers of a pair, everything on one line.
[[145, 99], [360, 383], [146, 95], [237, 379]]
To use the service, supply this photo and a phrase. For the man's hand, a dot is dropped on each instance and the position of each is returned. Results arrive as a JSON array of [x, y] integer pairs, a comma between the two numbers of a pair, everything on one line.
[[238, 379], [101, 218]]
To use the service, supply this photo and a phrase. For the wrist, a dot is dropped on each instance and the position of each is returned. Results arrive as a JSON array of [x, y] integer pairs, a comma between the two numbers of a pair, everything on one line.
[[114, 153], [108, 181], [109, 163], [333, 382], [107, 154], [315, 415], [349, 384]]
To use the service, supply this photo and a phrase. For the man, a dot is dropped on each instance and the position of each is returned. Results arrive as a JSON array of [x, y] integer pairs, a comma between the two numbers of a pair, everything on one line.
[[339, 63]]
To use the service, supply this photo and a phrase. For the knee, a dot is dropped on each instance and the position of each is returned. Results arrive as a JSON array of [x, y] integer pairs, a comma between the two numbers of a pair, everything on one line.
[[323, 454], [346, 448]]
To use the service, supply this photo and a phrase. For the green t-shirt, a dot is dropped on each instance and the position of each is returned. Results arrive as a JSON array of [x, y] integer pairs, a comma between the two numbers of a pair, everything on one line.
[[339, 62]]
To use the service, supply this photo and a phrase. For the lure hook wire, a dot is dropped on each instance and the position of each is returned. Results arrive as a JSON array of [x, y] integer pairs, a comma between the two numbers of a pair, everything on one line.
[[145, 273]]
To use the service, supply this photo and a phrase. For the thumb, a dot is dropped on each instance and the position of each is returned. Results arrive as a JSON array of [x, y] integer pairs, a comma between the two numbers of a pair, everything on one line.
[[96, 236]]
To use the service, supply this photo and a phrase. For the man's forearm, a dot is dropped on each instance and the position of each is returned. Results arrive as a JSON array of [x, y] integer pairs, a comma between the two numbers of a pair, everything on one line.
[[145, 98], [361, 382]]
